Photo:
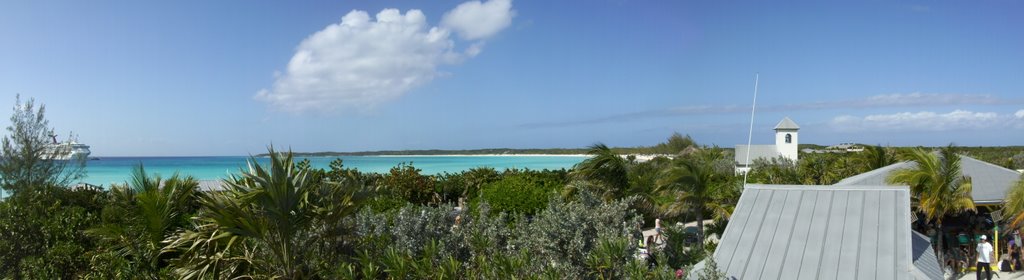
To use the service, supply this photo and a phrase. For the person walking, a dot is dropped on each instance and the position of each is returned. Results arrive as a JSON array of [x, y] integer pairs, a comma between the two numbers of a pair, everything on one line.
[[984, 250], [657, 231]]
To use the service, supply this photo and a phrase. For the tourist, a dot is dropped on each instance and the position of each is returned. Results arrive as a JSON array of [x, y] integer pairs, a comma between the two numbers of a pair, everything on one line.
[[657, 229], [1015, 256], [458, 222], [651, 262], [984, 258]]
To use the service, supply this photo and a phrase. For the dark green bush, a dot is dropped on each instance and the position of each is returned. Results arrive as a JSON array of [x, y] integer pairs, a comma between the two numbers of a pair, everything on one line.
[[523, 193], [41, 232]]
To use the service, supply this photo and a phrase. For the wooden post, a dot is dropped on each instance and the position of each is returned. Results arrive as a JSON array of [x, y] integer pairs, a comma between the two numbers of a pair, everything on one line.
[[995, 240]]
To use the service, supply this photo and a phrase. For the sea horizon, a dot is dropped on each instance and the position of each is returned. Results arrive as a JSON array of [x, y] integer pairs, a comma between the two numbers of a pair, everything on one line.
[[106, 170]]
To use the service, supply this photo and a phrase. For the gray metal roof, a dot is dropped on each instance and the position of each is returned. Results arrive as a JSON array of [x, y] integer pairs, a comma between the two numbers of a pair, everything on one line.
[[926, 264], [877, 177], [787, 124], [819, 232], [756, 152], [989, 181]]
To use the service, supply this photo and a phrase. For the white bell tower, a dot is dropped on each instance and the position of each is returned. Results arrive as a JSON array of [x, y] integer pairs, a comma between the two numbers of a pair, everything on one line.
[[786, 139]]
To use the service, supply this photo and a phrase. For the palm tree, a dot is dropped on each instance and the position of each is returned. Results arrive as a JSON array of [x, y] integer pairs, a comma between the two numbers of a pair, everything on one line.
[[937, 185], [267, 223], [476, 178], [643, 180], [151, 210], [875, 157], [1014, 206], [698, 184], [607, 169]]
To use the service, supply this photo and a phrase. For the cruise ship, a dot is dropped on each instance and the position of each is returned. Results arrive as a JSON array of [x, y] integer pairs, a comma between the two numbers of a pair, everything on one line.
[[70, 149]]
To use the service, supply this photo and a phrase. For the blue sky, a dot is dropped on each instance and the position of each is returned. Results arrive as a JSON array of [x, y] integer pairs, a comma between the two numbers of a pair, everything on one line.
[[231, 77]]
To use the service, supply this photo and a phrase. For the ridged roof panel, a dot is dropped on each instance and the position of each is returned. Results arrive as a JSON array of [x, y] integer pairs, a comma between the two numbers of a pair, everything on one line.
[[786, 123], [819, 232]]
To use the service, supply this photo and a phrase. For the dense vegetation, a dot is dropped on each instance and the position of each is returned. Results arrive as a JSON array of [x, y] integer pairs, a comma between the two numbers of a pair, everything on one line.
[[288, 220]]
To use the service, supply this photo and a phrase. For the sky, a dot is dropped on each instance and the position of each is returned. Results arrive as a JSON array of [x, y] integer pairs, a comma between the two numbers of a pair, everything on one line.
[[205, 78]]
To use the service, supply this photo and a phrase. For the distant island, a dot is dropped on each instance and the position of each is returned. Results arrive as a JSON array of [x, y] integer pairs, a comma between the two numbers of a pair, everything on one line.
[[1008, 156], [673, 145]]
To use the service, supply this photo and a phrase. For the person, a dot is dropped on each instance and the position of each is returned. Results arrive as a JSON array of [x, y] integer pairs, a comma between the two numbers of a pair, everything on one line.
[[1016, 238], [984, 250], [651, 262], [933, 236], [657, 228], [1015, 256], [1004, 263], [458, 222]]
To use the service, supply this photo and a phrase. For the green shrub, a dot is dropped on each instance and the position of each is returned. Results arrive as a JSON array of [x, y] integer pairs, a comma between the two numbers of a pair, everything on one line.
[[41, 232], [406, 181], [523, 193]]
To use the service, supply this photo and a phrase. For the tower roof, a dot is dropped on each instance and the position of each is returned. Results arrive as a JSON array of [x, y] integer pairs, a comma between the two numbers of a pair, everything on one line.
[[786, 123]]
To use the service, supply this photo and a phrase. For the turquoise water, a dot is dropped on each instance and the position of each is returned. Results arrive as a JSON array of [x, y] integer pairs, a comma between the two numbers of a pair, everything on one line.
[[118, 169]]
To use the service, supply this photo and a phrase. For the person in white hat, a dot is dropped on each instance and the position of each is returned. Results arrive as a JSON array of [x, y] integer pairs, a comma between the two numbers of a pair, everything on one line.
[[984, 258]]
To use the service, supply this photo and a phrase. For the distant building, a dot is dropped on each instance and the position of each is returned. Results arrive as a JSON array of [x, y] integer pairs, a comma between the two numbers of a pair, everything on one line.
[[839, 149], [786, 141]]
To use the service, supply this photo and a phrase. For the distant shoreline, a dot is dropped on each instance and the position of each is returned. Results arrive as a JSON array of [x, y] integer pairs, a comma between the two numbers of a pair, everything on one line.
[[481, 155], [477, 152]]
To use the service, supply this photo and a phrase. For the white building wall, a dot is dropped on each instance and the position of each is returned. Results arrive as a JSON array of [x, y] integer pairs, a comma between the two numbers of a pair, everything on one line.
[[787, 150]]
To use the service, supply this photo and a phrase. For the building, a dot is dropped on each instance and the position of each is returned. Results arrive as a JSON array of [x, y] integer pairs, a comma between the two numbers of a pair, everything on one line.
[[838, 149], [823, 232], [989, 182], [786, 142]]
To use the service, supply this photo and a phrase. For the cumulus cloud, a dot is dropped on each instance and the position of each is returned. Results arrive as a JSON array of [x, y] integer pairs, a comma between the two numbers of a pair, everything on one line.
[[1019, 114], [920, 121], [475, 20], [362, 61]]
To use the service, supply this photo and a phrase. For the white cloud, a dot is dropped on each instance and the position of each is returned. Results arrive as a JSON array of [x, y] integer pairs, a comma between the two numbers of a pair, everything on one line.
[[917, 98], [474, 20], [920, 121], [1019, 114], [363, 61], [902, 100]]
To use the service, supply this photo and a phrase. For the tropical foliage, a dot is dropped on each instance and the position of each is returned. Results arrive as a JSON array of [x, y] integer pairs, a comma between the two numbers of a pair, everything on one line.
[[27, 159], [606, 170], [702, 186], [136, 221], [290, 220], [937, 185], [1014, 206], [271, 221]]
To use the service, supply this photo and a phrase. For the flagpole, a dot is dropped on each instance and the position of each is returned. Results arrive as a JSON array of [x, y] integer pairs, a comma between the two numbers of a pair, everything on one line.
[[750, 133]]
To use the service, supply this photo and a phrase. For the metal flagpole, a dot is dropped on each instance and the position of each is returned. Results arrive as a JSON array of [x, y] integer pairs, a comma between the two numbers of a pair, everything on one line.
[[750, 134]]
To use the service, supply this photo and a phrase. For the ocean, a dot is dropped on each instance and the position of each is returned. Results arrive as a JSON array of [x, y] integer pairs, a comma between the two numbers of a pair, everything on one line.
[[109, 170]]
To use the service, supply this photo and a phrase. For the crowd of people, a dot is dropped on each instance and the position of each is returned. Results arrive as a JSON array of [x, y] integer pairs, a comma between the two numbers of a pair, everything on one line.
[[967, 251]]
